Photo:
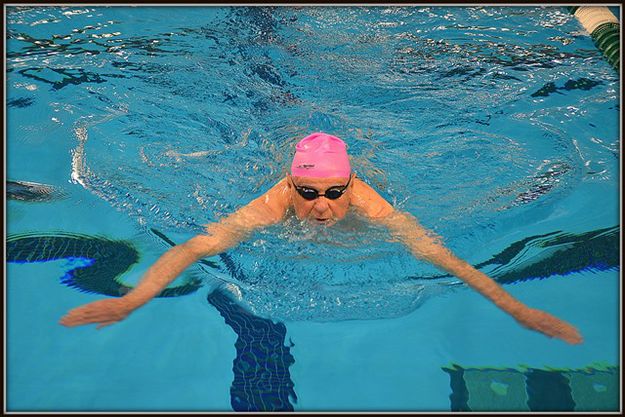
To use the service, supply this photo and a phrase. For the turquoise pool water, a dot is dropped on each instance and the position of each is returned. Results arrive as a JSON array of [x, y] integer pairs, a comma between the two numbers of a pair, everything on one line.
[[496, 126]]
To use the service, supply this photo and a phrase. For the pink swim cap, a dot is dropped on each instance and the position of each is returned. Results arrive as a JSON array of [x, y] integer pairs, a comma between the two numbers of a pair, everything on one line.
[[321, 156]]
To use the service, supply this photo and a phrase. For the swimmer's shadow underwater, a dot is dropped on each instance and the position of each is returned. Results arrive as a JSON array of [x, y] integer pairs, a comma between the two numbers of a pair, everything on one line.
[[263, 359]]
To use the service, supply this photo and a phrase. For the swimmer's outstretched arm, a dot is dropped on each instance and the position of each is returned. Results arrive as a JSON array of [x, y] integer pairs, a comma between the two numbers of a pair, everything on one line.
[[265, 210], [424, 245]]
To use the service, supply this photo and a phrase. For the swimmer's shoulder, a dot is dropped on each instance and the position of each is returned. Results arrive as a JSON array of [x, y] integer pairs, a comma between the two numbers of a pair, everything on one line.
[[268, 209], [276, 201], [368, 202]]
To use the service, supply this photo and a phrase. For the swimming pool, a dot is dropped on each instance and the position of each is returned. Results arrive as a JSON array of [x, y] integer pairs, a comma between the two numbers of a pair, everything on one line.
[[496, 126]]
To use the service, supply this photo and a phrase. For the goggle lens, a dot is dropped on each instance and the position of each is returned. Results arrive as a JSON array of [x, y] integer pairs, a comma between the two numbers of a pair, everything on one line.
[[331, 193]]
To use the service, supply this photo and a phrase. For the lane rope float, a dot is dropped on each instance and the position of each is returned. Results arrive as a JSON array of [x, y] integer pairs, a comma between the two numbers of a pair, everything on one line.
[[604, 29]]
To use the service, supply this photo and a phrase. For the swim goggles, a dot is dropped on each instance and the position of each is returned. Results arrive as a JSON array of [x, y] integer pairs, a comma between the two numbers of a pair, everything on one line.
[[331, 193]]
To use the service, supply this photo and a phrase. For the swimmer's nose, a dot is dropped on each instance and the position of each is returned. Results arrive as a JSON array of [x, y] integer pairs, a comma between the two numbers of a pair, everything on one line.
[[321, 204]]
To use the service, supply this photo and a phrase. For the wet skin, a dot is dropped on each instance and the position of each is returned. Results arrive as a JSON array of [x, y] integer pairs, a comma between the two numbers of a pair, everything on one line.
[[271, 208], [321, 210]]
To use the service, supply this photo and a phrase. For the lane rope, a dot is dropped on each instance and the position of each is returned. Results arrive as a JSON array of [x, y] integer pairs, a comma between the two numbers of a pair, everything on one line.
[[604, 29]]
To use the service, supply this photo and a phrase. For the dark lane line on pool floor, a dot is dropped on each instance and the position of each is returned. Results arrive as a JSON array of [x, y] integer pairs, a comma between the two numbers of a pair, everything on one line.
[[262, 381], [593, 388]]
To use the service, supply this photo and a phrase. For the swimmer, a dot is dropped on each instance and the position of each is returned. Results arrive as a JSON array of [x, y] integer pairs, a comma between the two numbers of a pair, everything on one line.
[[321, 188]]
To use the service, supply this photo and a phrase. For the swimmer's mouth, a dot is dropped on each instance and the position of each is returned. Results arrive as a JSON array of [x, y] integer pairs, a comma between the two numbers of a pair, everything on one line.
[[325, 221]]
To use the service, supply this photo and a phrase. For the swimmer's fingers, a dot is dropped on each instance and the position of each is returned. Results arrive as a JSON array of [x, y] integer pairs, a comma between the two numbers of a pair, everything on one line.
[[104, 312], [566, 332], [550, 326], [75, 317], [561, 330]]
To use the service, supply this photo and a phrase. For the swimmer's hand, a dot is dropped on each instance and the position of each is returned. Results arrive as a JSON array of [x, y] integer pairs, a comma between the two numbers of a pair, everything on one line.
[[549, 325], [104, 312]]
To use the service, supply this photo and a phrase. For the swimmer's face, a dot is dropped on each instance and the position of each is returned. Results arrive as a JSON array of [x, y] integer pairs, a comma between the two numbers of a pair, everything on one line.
[[321, 210]]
